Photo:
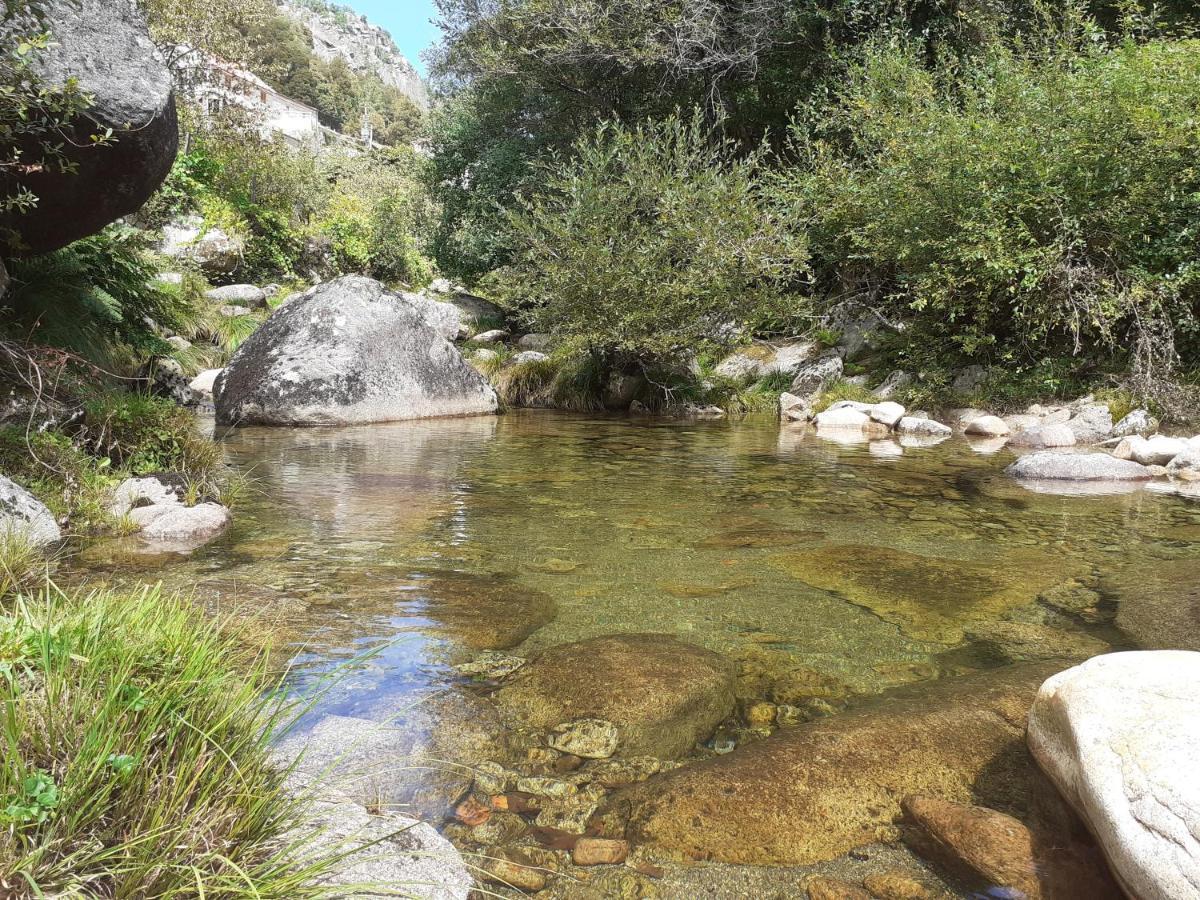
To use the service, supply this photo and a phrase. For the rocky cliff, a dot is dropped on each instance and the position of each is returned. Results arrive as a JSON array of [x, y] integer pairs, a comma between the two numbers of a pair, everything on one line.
[[340, 31]]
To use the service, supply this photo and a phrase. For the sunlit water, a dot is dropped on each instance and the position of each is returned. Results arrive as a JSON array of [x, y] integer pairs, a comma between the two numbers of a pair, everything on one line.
[[871, 564]]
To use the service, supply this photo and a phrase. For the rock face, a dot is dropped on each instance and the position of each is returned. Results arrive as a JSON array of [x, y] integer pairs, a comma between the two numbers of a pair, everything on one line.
[[105, 46], [1120, 737], [24, 516], [348, 351], [813, 792], [338, 33], [662, 695], [1076, 467]]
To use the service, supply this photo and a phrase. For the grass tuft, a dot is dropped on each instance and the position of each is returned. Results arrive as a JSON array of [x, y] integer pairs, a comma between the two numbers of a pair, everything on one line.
[[136, 756]]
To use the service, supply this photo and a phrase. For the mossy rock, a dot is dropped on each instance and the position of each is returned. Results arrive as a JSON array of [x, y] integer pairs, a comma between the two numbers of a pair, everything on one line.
[[662, 694], [484, 612]]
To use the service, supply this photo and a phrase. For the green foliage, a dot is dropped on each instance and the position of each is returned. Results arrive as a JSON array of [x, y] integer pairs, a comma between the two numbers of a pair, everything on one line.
[[649, 241], [92, 298], [136, 756], [71, 482], [1039, 200], [145, 434], [841, 390]]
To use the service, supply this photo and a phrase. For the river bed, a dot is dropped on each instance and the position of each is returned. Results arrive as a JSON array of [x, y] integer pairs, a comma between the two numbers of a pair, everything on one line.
[[395, 553]]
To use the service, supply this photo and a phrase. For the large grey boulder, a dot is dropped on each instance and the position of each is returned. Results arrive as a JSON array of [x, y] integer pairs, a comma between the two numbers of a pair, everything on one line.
[[446, 318], [1119, 736], [25, 517], [105, 47], [814, 377], [348, 352], [1050, 466], [1091, 423]]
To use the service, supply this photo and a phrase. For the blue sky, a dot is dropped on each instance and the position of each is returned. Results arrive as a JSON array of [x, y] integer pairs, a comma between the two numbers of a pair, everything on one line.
[[407, 20]]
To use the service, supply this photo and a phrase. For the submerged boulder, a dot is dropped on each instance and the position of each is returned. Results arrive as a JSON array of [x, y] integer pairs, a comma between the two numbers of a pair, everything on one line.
[[348, 351], [24, 516], [662, 694], [812, 792], [104, 46], [1158, 604], [1119, 736]]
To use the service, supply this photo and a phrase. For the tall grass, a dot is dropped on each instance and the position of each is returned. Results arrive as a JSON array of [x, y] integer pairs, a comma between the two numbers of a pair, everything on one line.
[[135, 757]]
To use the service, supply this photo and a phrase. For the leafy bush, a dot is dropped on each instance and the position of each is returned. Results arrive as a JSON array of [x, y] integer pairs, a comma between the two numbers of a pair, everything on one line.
[[1037, 201], [71, 482], [135, 758], [650, 241]]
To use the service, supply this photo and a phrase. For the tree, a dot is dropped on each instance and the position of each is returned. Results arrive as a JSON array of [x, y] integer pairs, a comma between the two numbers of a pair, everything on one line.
[[650, 241]]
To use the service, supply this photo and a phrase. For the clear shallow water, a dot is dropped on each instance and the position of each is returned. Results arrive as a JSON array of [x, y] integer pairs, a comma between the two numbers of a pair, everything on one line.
[[865, 565]]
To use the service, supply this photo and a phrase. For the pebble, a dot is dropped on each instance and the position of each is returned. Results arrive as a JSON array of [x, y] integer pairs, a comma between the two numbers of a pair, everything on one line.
[[896, 885], [552, 788], [594, 851], [514, 873], [589, 738]]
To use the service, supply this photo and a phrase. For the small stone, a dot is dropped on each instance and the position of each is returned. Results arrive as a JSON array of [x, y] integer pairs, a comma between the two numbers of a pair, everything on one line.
[[526, 357], [515, 872], [987, 426], [491, 665], [843, 418], [495, 336], [571, 815], [896, 885], [822, 888], [760, 714], [492, 778], [918, 426], [541, 786], [500, 828], [592, 851], [793, 408], [589, 738], [472, 811]]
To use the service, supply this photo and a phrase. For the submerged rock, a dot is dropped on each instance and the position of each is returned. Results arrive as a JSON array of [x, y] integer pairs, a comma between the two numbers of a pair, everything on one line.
[[587, 738], [381, 850], [1076, 467], [414, 756], [662, 695], [104, 48], [1158, 605], [25, 517], [1027, 641], [484, 612], [990, 850], [810, 793], [930, 598], [1119, 736], [348, 351]]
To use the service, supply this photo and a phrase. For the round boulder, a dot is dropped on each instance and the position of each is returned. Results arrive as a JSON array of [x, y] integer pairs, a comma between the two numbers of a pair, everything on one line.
[[105, 48], [1119, 736], [23, 515], [348, 352], [662, 695]]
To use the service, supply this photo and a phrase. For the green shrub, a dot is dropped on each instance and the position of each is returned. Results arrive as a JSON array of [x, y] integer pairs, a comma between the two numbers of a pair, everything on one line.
[[136, 756], [1035, 201], [93, 298], [649, 241], [145, 434], [72, 483]]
